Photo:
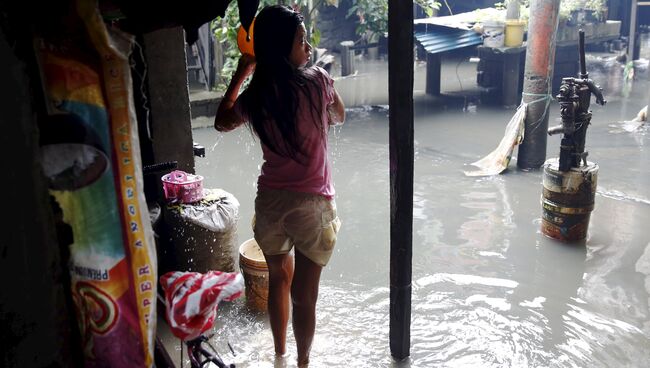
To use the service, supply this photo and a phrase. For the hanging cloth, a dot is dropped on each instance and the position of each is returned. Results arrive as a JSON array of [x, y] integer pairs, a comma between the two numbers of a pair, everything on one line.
[[192, 298]]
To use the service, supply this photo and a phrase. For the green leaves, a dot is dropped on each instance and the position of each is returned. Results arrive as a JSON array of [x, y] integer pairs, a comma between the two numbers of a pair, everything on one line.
[[429, 6], [597, 7], [225, 32], [373, 16], [315, 37]]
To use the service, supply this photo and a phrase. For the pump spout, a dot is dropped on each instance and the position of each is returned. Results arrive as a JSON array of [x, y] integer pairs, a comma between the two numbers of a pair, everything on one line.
[[558, 129]]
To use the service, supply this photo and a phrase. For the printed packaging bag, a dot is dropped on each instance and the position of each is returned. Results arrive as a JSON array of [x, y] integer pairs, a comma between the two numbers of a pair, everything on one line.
[[91, 156]]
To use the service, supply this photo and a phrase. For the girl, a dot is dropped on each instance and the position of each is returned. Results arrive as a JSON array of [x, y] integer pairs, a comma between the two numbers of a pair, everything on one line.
[[290, 107]]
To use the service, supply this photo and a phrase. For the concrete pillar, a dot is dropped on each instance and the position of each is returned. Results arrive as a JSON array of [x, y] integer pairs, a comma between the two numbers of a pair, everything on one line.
[[632, 38], [218, 62], [347, 58], [538, 76], [512, 11], [647, 106], [34, 310], [511, 68], [171, 125]]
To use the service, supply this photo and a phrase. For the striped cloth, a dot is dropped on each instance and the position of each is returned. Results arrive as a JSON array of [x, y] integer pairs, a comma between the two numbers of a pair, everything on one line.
[[192, 299]]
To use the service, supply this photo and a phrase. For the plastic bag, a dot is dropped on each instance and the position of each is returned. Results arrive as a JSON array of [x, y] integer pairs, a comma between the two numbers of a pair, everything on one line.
[[218, 211], [497, 161]]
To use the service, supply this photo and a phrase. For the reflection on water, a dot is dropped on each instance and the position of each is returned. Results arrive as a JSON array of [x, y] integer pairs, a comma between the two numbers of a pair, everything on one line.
[[489, 290]]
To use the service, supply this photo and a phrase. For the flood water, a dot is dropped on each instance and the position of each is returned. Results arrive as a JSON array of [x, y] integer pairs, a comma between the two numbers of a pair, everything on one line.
[[489, 290]]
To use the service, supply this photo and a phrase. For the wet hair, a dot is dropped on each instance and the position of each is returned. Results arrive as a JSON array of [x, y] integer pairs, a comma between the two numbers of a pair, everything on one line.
[[277, 86]]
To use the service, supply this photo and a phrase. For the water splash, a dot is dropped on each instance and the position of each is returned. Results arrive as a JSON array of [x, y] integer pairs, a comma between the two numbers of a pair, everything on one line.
[[217, 141], [620, 196], [334, 144]]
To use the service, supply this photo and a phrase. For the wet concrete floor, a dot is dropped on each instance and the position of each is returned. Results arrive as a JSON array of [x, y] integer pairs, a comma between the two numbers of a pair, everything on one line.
[[489, 290]]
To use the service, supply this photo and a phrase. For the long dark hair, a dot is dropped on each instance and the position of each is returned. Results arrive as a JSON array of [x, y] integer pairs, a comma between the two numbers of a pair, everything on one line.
[[277, 86]]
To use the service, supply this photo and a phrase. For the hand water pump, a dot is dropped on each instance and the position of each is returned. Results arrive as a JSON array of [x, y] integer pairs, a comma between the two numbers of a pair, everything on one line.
[[569, 182]]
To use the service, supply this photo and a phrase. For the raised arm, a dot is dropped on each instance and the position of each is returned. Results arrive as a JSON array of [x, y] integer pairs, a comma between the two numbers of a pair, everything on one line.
[[336, 110], [226, 118]]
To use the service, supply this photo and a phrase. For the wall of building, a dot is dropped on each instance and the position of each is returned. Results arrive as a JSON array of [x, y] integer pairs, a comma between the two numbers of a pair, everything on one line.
[[335, 26], [34, 310], [171, 126]]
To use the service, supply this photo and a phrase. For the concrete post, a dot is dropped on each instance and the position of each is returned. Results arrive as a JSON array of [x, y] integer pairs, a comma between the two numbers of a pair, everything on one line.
[[171, 127], [218, 61], [512, 11], [347, 58], [511, 67], [647, 106], [632, 38], [538, 77]]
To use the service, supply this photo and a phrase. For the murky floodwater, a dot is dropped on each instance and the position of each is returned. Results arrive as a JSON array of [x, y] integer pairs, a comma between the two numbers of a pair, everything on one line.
[[489, 290]]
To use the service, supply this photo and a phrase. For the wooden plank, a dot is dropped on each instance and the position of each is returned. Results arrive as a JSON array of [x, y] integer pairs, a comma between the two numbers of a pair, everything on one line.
[[400, 91]]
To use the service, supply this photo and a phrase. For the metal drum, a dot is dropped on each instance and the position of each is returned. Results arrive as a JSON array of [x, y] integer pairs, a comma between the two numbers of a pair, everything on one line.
[[567, 200]]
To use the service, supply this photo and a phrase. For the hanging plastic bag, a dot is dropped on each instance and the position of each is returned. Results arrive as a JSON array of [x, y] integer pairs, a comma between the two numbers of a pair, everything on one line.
[[497, 161]]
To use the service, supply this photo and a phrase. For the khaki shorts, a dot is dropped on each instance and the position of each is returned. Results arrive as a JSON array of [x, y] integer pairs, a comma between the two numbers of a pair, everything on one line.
[[284, 219]]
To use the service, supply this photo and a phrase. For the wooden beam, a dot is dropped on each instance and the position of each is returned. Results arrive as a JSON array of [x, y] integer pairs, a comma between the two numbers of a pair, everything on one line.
[[400, 96], [434, 67]]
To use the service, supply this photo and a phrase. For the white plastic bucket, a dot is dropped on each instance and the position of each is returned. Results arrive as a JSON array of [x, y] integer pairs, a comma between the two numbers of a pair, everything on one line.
[[493, 33], [256, 275]]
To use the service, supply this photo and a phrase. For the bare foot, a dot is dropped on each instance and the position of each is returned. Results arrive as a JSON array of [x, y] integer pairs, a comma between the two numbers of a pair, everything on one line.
[[280, 361]]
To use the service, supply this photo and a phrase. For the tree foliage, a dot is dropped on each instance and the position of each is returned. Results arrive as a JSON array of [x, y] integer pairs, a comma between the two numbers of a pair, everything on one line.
[[225, 32], [373, 16]]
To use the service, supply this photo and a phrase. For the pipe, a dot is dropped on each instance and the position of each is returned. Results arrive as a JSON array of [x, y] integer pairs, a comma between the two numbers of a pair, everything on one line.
[[583, 63], [538, 77]]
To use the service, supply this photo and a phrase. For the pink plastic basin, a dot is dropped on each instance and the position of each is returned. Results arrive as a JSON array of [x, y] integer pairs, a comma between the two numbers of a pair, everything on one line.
[[180, 186]]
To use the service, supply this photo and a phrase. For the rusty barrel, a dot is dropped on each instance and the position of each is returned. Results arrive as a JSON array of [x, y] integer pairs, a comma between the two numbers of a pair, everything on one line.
[[568, 200]]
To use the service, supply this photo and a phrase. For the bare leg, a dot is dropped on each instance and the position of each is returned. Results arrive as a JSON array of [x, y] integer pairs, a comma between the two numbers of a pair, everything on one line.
[[304, 293], [280, 275]]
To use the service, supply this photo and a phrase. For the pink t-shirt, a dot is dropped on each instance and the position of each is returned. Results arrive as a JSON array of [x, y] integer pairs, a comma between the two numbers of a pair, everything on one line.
[[314, 174]]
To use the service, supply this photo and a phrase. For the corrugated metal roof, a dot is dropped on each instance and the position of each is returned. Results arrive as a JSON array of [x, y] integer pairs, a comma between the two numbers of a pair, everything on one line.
[[437, 38]]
